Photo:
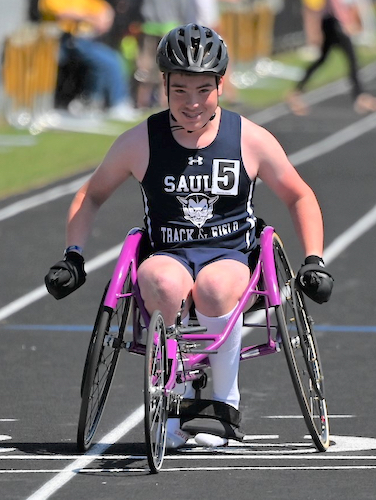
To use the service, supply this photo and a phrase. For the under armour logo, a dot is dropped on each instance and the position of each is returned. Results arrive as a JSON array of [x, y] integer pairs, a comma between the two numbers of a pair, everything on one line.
[[199, 160]]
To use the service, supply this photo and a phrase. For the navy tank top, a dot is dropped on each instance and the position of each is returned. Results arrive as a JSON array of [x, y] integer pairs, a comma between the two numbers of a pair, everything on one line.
[[198, 197]]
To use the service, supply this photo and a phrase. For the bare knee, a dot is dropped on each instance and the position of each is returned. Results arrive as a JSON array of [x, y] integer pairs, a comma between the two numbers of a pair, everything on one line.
[[218, 288], [164, 285]]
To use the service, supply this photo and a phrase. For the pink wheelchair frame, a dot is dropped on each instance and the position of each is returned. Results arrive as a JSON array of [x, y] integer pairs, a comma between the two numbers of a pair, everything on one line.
[[285, 321]]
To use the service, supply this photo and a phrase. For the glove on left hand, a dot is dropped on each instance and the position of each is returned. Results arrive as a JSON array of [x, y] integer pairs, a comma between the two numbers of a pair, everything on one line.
[[66, 275], [314, 280]]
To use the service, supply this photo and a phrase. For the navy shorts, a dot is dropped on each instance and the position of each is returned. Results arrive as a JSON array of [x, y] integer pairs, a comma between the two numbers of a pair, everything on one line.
[[194, 259]]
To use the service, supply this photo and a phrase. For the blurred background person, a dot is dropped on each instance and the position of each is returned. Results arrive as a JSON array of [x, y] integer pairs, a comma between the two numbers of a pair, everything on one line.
[[105, 82], [337, 26], [206, 13], [158, 17]]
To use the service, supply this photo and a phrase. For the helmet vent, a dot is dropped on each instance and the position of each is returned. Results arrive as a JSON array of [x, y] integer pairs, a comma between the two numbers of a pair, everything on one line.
[[192, 49]]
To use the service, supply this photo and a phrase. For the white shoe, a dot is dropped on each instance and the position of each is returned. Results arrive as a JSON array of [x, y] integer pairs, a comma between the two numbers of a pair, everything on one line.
[[80, 108], [123, 112], [175, 436], [210, 440]]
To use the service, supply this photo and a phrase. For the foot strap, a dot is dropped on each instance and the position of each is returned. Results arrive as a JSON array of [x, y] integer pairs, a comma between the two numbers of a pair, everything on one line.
[[212, 417]]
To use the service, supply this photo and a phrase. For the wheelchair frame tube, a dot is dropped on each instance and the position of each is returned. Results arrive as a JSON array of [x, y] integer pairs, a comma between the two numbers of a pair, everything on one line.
[[127, 259], [266, 266]]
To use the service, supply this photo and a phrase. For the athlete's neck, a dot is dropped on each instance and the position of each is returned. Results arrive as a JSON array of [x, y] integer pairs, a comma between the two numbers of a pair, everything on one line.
[[199, 138]]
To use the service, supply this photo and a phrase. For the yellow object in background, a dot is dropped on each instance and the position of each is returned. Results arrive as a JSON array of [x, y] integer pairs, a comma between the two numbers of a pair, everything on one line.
[[30, 72], [315, 5]]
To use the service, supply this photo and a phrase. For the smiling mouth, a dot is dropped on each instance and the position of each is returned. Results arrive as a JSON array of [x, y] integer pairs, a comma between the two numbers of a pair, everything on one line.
[[192, 116]]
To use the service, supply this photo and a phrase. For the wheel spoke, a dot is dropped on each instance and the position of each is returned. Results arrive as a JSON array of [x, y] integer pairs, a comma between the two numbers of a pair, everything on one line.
[[301, 351], [101, 363], [154, 393]]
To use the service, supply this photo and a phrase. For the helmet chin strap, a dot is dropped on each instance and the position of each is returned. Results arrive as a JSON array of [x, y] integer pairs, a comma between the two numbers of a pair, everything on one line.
[[179, 127]]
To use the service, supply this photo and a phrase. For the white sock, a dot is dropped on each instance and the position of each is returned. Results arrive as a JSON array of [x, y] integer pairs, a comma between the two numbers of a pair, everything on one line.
[[225, 364], [209, 440], [175, 436]]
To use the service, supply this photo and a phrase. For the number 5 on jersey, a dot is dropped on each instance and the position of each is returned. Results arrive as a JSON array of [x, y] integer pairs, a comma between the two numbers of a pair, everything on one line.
[[225, 180]]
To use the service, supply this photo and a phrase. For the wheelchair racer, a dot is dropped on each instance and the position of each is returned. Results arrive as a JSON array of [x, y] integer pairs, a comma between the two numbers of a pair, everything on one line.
[[197, 165]]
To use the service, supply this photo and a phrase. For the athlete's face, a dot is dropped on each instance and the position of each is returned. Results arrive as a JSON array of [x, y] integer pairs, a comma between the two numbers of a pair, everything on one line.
[[193, 99]]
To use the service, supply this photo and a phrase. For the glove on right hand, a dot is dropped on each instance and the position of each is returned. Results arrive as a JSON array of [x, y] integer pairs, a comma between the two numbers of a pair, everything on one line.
[[66, 275]]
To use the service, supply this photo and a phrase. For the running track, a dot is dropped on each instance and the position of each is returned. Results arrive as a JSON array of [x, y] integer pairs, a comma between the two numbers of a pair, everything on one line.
[[44, 343]]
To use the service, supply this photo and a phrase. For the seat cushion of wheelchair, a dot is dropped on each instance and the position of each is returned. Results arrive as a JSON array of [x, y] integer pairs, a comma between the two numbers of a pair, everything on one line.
[[212, 417]]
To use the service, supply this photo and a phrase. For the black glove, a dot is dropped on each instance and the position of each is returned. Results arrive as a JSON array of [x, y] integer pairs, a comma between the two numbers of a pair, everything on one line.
[[314, 279], [66, 275]]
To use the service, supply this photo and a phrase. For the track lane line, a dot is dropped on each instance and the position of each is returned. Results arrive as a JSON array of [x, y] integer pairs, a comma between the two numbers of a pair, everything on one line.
[[322, 147], [262, 118], [136, 417], [72, 469]]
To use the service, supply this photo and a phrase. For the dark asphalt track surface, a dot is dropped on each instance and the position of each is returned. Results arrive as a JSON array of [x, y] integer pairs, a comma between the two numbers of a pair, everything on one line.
[[43, 347]]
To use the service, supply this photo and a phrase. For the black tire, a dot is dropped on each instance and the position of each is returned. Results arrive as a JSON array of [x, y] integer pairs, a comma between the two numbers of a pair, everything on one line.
[[101, 360], [155, 398], [92, 339], [301, 350]]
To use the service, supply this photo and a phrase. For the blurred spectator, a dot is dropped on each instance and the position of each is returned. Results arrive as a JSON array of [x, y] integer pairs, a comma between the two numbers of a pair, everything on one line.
[[205, 13], [127, 14], [312, 16], [159, 17], [336, 28], [106, 83]]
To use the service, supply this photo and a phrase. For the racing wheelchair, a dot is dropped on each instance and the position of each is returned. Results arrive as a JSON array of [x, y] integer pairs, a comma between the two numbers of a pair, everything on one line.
[[180, 354]]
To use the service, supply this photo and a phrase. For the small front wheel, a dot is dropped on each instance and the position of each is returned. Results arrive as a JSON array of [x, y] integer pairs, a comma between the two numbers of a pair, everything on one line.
[[155, 398]]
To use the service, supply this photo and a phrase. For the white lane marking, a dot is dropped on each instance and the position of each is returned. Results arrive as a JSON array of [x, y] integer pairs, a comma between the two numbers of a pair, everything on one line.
[[334, 141], [261, 118], [64, 476], [40, 292], [57, 482], [351, 443], [235, 451], [356, 230], [70, 471], [301, 416], [202, 469], [350, 235], [209, 469], [41, 198], [338, 444], [5, 437], [260, 467]]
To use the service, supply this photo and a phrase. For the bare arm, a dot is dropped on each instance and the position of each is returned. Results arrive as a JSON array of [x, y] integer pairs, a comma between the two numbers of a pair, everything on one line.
[[268, 160], [127, 156]]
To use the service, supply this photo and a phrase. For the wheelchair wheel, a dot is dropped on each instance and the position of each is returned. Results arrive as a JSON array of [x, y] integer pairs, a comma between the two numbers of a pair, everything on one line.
[[92, 338], [155, 377], [301, 350], [101, 360]]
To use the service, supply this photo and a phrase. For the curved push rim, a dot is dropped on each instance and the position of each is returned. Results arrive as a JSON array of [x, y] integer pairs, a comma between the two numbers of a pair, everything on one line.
[[301, 351], [102, 359]]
